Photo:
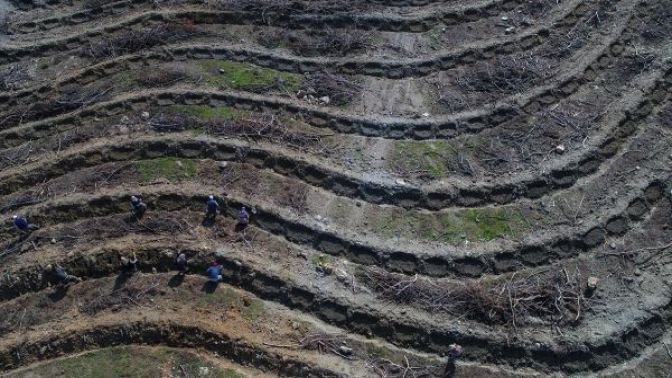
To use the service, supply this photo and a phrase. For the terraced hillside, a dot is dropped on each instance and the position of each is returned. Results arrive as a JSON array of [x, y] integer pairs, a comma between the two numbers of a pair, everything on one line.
[[419, 173]]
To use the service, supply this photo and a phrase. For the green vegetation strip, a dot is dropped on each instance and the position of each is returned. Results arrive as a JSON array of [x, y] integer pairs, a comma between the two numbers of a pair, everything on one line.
[[224, 73], [481, 224], [170, 168], [129, 361]]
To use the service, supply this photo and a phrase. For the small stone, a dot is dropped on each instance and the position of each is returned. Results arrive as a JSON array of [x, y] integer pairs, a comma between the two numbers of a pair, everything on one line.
[[345, 350], [179, 164], [53, 240], [505, 18], [154, 270], [325, 100], [222, 71], [203, 371], [510, 30], [638, 272], [560, 148], [358, 204], [144, 115], [223, 164], [612, 245], [295, 326], [425, 115]]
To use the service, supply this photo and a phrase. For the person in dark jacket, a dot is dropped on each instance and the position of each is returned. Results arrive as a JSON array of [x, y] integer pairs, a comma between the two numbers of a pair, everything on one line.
[[60, 275], [212, 207], [138, 207], [22, 224], [214, 272], [454, 352], [129, 265], [181, 263]]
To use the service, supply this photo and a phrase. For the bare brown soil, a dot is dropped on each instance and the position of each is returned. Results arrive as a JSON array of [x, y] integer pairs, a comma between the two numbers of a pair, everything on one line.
[[419, 173]]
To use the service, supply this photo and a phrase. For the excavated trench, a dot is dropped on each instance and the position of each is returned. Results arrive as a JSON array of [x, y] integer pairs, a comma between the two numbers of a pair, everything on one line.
[[404, 68], [156, 333], [614, 58], [552, 247], [405, 332]]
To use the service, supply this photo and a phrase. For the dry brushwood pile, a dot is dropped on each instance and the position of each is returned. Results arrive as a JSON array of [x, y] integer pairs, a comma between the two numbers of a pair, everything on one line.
[[421, 177]]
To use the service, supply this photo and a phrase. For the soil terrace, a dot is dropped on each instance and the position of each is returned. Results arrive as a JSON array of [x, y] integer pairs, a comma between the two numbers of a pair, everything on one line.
[[420, 173]]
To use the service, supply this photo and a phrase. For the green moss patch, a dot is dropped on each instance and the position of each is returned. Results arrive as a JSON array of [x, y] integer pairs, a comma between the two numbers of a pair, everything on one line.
[[480, 224], [435, 158], [129, 361], [225, 73], [254, 309], [171, 168]]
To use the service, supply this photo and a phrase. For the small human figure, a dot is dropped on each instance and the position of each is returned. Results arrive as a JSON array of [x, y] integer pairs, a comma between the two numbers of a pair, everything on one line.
[[129, 266], [454, 352], [243, 219], [138, 207], [21, 224], [214, 272], [181, 263], [60, 275], [212, 207]]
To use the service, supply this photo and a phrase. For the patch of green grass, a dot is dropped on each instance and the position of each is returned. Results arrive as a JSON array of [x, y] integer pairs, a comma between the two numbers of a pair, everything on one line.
[[170, 168], [254, 310], [222, 297], [433, 157], [480, 224], [128, 361], [209, 112], [236, 75], [319, 259]]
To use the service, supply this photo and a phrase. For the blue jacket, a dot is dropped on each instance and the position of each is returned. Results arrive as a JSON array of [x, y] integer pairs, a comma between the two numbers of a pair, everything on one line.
[[21, 223], [214, 272], [212, 205]]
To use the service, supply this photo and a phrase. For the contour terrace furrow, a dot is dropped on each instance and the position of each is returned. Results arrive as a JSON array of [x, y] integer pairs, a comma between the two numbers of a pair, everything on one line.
[[494, 347], [407, 257], [346, 182], [488, 115], [421, 21], [405, 67]]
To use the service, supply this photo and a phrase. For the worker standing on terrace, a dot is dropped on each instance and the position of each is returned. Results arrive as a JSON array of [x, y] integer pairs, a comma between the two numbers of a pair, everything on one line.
[[60, 275], [454, 352], [22, 224], [243, 219], [212, 207], [129, 266], [138, 207], [214, 272], [181, 263]]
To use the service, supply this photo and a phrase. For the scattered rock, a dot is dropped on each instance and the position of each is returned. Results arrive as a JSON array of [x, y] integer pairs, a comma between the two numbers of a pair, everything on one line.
[[425, 115], [505, 18], [560, 148], [222, 71], [295, 325], [53, 240], [325, 100], [154, 270], [510, 30], [638, 272], [145, 115], [612, 245], [344, 350]]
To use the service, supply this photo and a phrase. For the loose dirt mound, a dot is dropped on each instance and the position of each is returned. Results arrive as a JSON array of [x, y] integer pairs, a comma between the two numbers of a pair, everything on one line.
[[417, 174]]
